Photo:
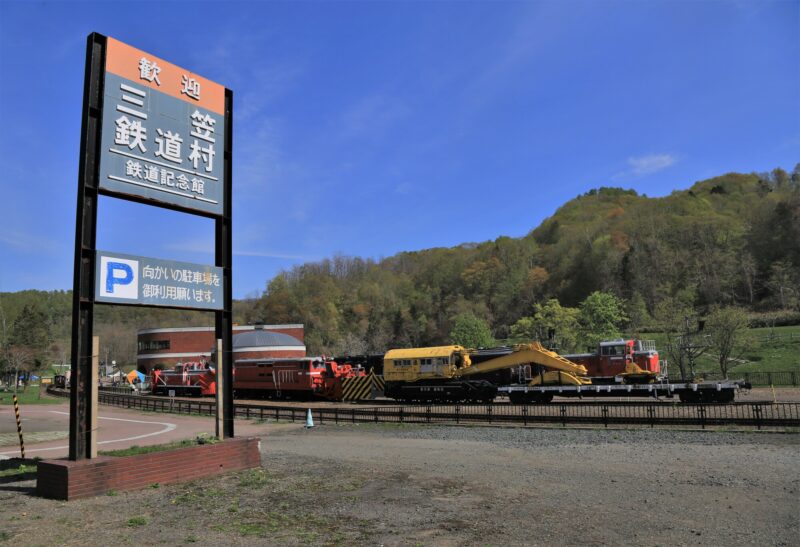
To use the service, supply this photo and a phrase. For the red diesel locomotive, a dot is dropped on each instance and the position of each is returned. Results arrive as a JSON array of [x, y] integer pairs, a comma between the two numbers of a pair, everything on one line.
[[287, 378], [615, 357]]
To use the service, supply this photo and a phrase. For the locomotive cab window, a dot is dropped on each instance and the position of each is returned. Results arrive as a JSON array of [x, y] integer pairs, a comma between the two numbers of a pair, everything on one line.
[[613, 351]]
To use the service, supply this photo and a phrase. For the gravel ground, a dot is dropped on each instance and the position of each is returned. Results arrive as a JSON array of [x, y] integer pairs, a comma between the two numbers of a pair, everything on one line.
[[779, 394], [414, 485]]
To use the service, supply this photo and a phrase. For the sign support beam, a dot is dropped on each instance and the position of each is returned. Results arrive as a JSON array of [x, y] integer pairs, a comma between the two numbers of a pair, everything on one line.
[[219, 420], [82, 408], [224, 259]]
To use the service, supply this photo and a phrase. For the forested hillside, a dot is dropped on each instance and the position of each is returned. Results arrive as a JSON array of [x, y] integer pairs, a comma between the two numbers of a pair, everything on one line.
[[728, 241]]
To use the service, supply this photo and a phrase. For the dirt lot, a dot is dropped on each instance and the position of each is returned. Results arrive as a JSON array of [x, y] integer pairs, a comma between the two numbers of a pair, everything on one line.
[[411, 485]]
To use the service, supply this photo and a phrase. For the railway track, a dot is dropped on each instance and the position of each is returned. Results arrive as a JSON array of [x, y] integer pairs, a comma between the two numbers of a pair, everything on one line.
[[647, 414], [381, 401], [385, 402]]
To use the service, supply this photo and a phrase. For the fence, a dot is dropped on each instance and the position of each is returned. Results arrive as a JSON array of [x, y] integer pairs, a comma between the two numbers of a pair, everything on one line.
[[759, 378], [124, 389], [648, 414], [778, 336]]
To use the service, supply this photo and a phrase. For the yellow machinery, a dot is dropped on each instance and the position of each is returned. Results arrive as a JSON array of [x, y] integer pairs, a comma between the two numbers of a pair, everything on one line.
[[447, 373]]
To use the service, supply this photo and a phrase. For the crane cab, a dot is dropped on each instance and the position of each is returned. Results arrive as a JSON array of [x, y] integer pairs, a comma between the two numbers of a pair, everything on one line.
[[410, 365]]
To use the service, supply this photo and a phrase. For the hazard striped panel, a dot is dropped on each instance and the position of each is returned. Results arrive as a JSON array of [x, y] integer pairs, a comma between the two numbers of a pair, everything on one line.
[[377, 383], [362, 387]]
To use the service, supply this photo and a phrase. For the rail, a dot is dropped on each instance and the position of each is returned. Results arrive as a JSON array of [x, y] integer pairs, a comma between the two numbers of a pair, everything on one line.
[[759, 415], [125, 389]]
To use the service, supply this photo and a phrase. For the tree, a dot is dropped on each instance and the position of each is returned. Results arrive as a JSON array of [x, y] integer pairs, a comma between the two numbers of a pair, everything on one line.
[[637, 312], [728, 335], [602, 316], [782, 284], [673, 315], [524, 328], [547, 317], [471, 332], [31, 331], [20, 359], [780, 177], [117, 343]]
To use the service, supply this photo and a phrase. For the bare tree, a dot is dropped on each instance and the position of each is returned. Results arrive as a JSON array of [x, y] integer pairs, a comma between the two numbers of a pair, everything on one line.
[[20, 359], [685, 344], [351, 344], [728, 335], [117, 343], [691, 345]]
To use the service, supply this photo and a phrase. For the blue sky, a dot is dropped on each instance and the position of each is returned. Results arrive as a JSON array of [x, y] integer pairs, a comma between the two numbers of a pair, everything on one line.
[[368, 128]]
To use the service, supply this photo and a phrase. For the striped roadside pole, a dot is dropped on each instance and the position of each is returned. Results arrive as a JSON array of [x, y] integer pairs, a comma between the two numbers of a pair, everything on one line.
[[19, 427]]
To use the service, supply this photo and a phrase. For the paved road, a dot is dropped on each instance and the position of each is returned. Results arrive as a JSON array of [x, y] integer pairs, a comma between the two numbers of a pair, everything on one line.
[[46, 427]]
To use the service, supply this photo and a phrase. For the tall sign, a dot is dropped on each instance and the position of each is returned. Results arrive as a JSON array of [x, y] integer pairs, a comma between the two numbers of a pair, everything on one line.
[[163, 128], [154, 133]]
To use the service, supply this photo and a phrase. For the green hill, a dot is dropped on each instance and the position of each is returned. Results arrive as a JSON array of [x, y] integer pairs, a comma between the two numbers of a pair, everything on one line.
[[730, 240]]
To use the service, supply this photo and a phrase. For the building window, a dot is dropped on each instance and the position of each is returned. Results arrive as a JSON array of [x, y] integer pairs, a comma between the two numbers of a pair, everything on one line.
[[153, 345]]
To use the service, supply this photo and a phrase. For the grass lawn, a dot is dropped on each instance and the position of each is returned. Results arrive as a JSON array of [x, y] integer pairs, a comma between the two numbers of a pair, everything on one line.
[[135, 449], [772, 350], [30, 397], [18, 471]]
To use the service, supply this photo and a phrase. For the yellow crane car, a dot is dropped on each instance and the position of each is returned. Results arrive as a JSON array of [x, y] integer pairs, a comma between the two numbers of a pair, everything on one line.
[[451, 374]]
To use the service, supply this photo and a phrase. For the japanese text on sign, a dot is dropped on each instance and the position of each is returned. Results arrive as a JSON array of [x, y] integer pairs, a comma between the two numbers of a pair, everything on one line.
[[161, 126], [141, 280]]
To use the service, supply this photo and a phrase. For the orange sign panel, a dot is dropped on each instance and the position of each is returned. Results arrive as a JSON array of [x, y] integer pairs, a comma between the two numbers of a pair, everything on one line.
[[153, 72]]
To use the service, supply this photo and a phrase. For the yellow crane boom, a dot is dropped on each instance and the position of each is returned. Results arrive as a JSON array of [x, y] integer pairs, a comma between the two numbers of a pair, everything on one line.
[[530, 353]]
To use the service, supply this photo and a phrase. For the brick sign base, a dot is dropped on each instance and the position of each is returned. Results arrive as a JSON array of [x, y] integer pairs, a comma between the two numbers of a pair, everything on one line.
[[71, 480]]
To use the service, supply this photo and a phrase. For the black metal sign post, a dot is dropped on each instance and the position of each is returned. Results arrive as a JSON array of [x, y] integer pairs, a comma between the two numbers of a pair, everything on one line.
[[81, 407], [224, 259], [84, 282]]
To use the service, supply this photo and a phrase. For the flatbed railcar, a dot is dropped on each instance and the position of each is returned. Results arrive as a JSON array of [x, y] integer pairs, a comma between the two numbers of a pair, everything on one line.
[[687, 392]]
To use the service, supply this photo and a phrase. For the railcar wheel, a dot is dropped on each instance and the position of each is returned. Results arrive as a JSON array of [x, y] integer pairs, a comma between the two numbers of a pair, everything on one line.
[[725, 397], [690, 397]]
